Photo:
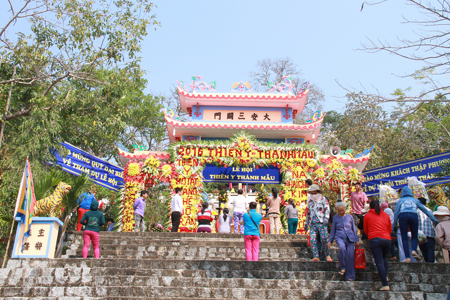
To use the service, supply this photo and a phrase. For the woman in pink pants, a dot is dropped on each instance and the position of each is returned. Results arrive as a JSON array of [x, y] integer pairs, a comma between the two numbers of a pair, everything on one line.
[[92, 220], [251, 232]]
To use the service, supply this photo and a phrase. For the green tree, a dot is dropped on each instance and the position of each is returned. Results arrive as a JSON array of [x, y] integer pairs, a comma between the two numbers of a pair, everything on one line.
[[72, 75], [364, 124]]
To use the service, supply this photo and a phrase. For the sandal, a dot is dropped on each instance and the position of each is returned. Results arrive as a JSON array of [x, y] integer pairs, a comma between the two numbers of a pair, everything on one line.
[[415, 255], [342, 272], [329, 259], [385, 288], [315, 259]]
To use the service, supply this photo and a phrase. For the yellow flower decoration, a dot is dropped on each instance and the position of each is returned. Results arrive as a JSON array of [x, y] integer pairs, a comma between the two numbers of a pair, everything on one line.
[[152, 162], [320, 172], [166, 170], [133, 169], [311, 163]]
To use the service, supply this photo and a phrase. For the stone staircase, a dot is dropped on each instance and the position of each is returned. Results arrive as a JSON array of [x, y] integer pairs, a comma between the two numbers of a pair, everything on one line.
[[208, 266]]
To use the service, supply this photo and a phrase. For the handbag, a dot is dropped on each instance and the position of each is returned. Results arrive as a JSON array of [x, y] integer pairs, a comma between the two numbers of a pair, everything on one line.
[[309, 241], [252, 220], [360, 258]]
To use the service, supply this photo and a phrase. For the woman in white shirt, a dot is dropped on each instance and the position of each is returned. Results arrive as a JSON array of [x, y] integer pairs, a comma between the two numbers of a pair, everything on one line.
[[225, 222], [239, 207]]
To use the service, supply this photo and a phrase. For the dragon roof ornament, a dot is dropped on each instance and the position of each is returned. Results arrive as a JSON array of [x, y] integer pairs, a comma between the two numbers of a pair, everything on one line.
[[242, 87], [197, 85]]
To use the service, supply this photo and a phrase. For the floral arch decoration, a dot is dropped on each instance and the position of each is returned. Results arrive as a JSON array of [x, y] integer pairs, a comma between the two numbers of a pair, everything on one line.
[[295, 162]]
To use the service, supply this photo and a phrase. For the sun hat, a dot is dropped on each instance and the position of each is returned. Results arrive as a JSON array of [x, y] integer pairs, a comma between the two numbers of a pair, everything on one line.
[[366, 208], [442, 211], [384, 205], [314, 187]]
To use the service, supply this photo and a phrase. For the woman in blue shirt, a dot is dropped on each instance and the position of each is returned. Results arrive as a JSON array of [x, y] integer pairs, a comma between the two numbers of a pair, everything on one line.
[[406, 214], [252, 218]]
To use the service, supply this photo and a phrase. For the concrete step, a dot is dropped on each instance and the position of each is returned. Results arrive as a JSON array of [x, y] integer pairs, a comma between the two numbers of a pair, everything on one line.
[[194, 236], [247, 283], [152, 292], [192, 248], [77, 276], [212, 265], [208, 266], [200, 243], [286, 252]]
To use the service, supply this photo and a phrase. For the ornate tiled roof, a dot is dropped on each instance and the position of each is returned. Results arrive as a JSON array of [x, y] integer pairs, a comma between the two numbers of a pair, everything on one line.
[[275, 99]]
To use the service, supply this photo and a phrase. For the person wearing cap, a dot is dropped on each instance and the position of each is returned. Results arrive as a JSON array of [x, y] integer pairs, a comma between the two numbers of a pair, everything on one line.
[[443, 231], [317, 221], [358, 199], [406, 213], [320, 245], [364, 237], [92, 220], [85, 201]]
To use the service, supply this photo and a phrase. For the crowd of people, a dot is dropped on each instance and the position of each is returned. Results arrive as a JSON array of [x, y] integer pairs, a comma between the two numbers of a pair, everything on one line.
[[409, 226]]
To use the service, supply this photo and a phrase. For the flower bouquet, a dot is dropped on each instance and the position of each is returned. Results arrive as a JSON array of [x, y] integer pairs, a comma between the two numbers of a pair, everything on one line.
[[417, 188], [388, 194], [158, 228]]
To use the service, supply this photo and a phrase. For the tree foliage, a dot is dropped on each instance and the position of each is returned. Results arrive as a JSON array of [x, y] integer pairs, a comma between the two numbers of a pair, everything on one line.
[[364, 124], [74, 76], [273, 70], [430, 47]]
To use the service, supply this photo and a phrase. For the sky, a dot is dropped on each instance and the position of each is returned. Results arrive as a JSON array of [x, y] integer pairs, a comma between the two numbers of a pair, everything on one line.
[[223, 40]]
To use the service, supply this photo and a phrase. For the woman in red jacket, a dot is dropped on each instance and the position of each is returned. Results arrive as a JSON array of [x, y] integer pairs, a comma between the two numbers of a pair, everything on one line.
[[377, 226]]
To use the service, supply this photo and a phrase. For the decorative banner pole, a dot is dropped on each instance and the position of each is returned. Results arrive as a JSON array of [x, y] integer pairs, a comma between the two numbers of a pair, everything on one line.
[[24, 204]]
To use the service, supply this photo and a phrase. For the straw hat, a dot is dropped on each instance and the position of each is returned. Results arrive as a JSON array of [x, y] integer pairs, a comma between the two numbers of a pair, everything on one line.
[[314, 187], [366, 208], [442, 211]]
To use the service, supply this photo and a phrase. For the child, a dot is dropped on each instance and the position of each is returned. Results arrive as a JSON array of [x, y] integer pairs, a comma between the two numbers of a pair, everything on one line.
[[225, 222], [442, 230], [110, 224], [204, 218], [92, 220]]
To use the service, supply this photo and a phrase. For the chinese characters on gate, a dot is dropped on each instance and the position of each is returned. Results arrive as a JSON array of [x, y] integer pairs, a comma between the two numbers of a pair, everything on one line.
[[243, 116]]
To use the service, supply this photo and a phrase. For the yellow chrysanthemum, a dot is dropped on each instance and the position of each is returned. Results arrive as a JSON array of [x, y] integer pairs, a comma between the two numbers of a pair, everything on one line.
[[152, 162], [133, 169], [166, 170]]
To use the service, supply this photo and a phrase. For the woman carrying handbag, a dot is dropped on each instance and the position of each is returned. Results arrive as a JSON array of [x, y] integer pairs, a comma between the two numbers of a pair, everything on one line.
[[344, 231], [251, 221]]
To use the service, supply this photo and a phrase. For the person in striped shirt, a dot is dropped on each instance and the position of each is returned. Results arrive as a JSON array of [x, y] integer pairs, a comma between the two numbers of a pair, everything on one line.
[[426, 226], [204, 218]]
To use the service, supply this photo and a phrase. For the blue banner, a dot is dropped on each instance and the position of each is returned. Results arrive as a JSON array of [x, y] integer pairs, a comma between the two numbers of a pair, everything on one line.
[[395, 176], [270, 175], [99, 171]]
